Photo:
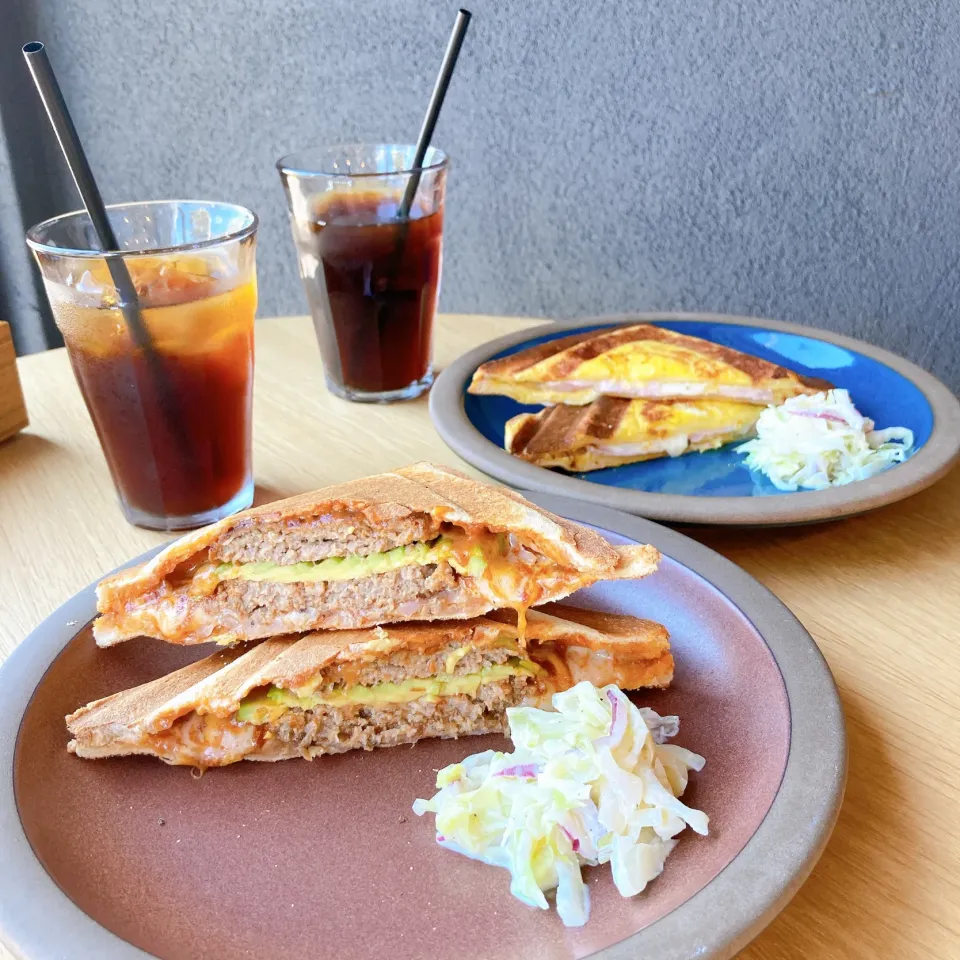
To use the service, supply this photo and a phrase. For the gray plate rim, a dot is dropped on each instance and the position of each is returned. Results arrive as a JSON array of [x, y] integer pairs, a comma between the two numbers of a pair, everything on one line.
[[38, 921], [924, 468]]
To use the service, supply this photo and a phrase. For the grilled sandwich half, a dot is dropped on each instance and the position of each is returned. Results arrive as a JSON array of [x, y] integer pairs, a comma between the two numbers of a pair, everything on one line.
[[613, 431], [329, 692], [640, 361], [420, 543]]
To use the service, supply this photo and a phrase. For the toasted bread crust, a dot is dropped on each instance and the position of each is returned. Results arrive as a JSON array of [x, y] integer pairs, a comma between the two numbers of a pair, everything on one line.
[[562, 428], [623, 635], [421, 488], [586, 438], [438, 492], [571, 352], [524, 359], [637, 652]]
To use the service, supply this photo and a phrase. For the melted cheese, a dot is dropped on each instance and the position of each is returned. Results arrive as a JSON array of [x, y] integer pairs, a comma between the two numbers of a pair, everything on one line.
[[659, 361], [205, 741]]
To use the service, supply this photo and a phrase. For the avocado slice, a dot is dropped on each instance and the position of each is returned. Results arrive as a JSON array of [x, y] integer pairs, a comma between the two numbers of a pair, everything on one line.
[[260, 710], [354, 567], [265, 708]]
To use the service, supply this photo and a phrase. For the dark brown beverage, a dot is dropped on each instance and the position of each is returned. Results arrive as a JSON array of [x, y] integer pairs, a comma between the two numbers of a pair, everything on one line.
[[182, 461], [168, 375], [377, 280]]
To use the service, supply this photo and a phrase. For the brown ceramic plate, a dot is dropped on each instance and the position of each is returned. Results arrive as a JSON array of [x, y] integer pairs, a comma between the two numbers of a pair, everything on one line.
[[127, 857], [716, 486]]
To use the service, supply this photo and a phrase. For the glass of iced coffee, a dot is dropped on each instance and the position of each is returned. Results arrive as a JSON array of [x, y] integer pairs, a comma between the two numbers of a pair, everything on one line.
[[170, 399], [368, 228]]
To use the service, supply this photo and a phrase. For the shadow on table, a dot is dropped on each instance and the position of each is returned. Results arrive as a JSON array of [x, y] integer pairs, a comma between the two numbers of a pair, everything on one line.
[[263, 493], [23, 450], [830, 915]]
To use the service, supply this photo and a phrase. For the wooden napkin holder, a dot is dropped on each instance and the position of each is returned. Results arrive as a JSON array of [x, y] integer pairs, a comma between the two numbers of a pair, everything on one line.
[[13, 411]]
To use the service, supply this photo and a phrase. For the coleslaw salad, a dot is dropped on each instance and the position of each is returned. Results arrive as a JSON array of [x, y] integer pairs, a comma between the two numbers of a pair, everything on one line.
[[593, 782], [822, 441]]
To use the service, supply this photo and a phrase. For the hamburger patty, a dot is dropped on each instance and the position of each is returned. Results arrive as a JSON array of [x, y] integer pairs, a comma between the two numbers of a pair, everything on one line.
[[319, 539], [407, 666], [338, 729], [261, 609]]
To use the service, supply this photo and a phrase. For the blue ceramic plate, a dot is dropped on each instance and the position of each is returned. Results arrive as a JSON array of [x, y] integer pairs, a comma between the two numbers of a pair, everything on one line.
[[882, 394], [716, 486]]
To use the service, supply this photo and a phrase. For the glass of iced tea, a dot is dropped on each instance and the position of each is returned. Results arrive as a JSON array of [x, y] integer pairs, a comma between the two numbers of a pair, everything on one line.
[[370, 269], [172, 408]]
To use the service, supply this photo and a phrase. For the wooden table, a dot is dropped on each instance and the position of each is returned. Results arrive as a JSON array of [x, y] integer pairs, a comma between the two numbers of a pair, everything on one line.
[[880, 593]]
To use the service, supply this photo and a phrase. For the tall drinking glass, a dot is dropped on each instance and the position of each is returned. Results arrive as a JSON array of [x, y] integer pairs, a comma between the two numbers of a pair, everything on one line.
[[372, 275], [172, 414]]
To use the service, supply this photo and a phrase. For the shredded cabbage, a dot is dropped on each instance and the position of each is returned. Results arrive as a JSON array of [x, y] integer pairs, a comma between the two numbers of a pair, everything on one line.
[[822, 441], [592, 783]]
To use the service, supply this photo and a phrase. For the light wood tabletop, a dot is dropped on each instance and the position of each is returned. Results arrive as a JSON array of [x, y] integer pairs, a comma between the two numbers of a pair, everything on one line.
[[880, 593]]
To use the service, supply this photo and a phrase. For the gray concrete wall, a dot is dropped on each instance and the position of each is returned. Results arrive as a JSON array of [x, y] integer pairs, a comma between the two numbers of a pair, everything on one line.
[[796, 159]]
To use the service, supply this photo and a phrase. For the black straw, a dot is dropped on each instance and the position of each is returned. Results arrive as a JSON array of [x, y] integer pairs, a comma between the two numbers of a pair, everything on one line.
[[66, 133], [433, 110]]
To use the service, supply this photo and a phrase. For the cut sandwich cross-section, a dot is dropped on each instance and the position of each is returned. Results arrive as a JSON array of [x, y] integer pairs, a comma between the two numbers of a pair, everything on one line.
[[329, 692], [420, 543]]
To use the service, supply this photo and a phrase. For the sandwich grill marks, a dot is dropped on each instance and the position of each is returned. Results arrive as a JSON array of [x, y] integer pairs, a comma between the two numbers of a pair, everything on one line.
[[420, 543], [612, 431], [639, 361], [336, 691]]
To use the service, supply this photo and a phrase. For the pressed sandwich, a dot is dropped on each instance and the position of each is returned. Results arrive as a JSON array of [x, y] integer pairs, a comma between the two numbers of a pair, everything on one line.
[[613, 431], [333, 691], [420, 543], [640, 361]]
